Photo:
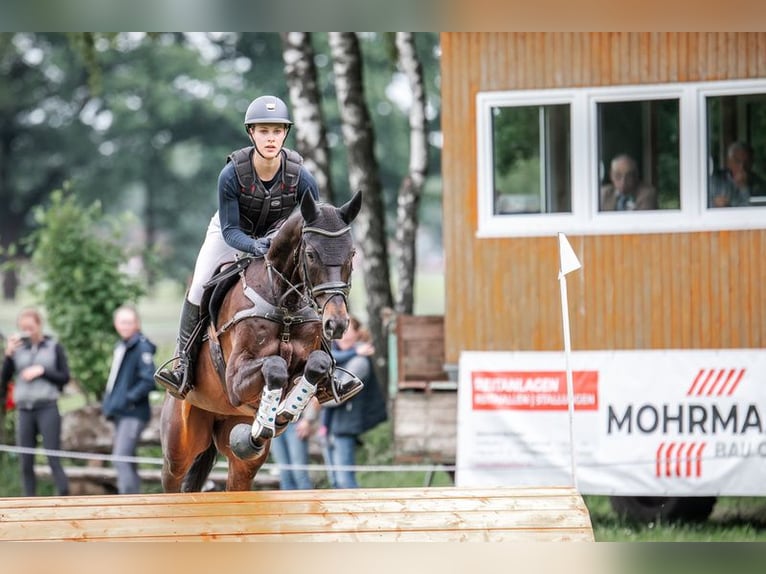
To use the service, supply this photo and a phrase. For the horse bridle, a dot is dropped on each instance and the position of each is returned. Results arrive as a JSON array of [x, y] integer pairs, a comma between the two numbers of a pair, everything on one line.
[[331, 288]]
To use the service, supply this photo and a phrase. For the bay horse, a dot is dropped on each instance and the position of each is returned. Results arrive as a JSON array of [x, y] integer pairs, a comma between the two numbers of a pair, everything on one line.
[[266, 353]]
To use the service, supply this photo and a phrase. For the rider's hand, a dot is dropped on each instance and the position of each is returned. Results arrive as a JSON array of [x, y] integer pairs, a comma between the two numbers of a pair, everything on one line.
[[261, 246]]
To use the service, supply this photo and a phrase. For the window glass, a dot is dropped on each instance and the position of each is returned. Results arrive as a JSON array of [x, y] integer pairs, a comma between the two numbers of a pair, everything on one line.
[[639, 155], [531, 150], [736, 144]]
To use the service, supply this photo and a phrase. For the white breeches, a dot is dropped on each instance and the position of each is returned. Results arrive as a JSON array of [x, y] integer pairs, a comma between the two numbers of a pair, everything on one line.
[[214, 252]]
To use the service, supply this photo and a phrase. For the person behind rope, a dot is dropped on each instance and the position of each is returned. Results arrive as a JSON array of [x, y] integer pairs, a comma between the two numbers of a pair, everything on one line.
[[39, 365]]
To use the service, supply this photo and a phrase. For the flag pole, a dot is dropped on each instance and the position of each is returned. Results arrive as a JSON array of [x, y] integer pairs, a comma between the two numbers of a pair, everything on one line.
[[568, 262]]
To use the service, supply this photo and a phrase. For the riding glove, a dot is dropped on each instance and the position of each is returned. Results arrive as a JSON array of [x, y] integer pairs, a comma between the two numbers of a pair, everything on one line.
[[261, 246]]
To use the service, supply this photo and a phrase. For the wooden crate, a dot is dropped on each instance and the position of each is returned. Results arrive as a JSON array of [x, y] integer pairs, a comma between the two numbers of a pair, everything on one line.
[[420, 352]]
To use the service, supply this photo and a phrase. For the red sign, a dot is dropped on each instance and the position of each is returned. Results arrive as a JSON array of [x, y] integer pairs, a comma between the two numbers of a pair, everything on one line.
[[533, 390]]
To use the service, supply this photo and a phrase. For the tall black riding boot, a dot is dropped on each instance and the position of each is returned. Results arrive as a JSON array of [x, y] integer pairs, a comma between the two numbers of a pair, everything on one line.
[[177, 381]]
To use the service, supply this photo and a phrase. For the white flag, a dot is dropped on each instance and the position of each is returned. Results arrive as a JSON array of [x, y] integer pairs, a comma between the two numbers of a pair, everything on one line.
[[568, 261]]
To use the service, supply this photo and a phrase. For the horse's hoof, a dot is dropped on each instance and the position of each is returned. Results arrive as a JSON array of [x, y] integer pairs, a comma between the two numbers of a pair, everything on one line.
[[241, 443]]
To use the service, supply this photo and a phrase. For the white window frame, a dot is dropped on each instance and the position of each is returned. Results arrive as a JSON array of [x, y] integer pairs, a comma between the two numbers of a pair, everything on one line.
[[585, 218]]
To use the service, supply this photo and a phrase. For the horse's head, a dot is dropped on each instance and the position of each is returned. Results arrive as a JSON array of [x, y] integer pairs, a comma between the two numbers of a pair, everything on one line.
[[326, 254]]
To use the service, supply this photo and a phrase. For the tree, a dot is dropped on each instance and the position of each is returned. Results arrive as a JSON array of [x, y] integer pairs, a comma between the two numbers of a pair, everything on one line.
[[42, 140], [310, 132], [363, 174], [408, 199], [78, 258]]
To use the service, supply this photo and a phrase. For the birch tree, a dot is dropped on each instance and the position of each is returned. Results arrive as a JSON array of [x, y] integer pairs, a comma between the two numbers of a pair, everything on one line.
[[363, 173], [310, 132], [408, 199]]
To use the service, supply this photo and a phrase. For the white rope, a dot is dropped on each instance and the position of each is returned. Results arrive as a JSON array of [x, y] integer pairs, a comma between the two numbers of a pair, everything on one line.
[[223, 464]]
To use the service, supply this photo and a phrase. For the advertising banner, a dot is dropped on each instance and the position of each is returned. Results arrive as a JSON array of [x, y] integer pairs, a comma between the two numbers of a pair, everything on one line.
[[646, 423]]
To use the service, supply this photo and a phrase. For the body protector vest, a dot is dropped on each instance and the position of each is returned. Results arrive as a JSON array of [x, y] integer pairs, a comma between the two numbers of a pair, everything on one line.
[[261, 208]]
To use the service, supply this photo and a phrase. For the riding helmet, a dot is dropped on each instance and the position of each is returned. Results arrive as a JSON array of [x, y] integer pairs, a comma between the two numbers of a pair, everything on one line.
[[267, 110]]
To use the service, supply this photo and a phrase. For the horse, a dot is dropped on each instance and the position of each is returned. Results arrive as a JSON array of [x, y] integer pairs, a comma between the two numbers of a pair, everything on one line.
[[266, 352]]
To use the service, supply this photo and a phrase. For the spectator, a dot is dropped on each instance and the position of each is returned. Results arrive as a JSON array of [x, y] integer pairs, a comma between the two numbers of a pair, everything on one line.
[[38, 364], [343, 425], [291, 448], [625, 192], [737, 184], [126, 399]]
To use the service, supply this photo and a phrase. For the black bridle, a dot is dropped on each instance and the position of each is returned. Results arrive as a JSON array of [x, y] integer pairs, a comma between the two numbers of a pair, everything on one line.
[[330, 288]]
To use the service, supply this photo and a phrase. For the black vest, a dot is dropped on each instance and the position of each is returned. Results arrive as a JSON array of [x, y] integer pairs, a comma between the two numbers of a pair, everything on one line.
[[260, 208]]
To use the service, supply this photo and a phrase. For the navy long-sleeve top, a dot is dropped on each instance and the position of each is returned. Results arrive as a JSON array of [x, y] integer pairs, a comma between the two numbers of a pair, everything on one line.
[[228, 203]]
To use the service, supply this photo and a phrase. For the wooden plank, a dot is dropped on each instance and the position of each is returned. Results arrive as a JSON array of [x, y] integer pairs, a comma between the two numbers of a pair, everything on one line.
[[446, 514]]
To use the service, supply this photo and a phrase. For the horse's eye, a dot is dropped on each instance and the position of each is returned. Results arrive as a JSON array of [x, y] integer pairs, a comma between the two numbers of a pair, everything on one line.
[[310, 256]]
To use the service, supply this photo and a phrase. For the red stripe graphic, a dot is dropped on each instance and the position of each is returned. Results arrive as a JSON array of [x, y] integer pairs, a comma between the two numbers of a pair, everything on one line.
[[736, 382], [689, 459], [721, 373], [679, 460], [701, 390], [699, 460], [669, 458], [658, 458], [715, 382], [720, 390], [697, 379]]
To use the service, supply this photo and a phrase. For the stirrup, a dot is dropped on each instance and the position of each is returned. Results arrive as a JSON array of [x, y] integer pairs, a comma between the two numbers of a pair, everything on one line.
[[167, 378], [344, 385]]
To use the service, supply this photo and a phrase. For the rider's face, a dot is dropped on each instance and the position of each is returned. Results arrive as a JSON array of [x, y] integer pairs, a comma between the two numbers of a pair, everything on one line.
[[269, 138]]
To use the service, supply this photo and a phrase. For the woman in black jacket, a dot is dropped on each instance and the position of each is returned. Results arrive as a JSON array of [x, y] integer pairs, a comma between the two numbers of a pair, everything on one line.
[[343, 425]]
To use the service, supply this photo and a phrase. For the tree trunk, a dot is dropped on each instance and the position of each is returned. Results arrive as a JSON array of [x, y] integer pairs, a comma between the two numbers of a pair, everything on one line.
[[363, 174], [410, 191], [310, 133]]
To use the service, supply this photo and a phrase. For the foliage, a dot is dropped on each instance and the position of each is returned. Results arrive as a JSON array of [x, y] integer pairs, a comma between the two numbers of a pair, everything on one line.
[[81, 281]]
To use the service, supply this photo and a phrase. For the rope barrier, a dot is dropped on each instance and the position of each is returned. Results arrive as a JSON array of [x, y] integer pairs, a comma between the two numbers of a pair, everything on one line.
[[223, 464]]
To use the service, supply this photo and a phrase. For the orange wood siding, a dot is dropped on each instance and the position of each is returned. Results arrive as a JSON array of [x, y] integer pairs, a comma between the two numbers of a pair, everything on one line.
[[676, 290]]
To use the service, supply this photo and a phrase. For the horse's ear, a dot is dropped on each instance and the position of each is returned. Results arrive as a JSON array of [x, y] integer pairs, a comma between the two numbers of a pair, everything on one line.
[[309, 208], [348, 211]]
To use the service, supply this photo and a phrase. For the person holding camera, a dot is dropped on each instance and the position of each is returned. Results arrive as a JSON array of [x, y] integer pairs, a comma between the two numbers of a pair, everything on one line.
[[39, 366]]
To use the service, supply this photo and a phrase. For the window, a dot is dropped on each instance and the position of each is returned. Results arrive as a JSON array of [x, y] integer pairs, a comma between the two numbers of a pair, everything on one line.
[[530, 146], [736, 139], [638, 155], [545, 157]]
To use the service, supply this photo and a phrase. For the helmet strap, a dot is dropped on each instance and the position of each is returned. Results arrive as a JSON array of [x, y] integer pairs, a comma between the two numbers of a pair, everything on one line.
[[255, 147]]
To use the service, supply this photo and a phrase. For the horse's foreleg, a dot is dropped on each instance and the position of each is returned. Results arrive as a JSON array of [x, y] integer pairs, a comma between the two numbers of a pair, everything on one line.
[[248, 442], [317, 369], [241, 472]]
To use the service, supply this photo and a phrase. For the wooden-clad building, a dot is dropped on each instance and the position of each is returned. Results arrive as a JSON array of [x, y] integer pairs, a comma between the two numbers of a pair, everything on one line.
[[531, 124]]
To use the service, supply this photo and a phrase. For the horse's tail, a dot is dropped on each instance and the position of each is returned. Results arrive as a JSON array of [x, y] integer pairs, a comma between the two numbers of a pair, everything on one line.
[[200, 469]]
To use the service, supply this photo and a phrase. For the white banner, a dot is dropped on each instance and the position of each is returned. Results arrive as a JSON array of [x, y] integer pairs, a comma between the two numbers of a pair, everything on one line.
[[646, 423]]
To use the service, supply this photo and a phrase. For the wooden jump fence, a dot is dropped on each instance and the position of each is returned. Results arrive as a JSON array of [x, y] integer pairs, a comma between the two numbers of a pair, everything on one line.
[[400, 514]]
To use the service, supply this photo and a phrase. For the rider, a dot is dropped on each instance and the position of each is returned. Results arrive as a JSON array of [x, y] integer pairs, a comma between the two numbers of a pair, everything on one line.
[[259, 187]]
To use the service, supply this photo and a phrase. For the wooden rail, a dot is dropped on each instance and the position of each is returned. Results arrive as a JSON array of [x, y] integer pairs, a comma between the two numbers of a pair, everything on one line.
[[402, 514]]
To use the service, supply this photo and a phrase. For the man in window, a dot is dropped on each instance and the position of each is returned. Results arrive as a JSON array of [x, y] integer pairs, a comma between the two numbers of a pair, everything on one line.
[[737, 184], [625, 192]]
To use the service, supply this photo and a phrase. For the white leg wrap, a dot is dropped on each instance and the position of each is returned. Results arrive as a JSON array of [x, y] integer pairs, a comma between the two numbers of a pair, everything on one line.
[[263, 426], [297, 399]]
